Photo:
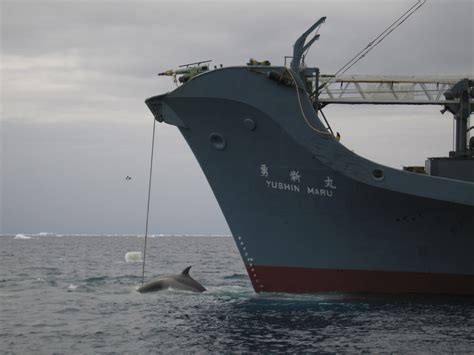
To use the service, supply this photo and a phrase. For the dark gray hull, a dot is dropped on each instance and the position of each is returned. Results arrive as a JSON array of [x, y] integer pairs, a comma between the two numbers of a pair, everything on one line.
[[302, 206]]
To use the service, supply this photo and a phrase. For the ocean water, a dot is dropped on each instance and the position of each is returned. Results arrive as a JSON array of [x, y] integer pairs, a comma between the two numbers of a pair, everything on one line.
[[77, 294]]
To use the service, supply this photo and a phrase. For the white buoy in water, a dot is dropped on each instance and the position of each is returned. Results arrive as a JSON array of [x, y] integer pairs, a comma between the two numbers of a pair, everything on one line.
[[133, 256]]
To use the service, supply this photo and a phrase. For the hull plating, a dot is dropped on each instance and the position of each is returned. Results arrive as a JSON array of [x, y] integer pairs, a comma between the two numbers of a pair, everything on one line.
[[305, 280], [304, 217]]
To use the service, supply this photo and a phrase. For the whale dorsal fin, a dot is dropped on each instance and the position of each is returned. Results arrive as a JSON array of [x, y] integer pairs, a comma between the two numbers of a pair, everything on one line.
[[186, 271]]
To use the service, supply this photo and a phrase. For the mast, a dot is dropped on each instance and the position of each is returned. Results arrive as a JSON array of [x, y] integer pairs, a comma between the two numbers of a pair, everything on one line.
[[463, 91]]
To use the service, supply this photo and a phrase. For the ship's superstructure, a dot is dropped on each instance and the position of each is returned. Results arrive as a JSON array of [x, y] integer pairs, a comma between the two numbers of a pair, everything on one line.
[[309, 215]]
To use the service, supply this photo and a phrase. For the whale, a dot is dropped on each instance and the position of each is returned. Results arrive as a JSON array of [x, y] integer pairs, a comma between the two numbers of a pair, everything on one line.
[[181, 281]]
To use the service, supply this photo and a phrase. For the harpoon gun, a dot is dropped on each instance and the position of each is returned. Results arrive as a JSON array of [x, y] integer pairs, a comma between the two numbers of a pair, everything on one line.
[[187, 71]]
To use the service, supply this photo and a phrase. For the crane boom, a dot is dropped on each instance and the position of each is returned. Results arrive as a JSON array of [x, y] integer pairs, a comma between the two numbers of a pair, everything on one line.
[[390, 90]]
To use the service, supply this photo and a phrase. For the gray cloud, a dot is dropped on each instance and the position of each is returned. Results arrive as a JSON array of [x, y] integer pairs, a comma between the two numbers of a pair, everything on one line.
[[75, 75]]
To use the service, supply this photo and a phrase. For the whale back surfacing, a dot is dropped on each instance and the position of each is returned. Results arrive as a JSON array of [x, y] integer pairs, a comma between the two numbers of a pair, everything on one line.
[[181, 281]]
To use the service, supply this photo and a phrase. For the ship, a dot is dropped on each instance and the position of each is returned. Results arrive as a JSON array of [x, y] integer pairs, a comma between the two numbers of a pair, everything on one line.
[[309, 215]]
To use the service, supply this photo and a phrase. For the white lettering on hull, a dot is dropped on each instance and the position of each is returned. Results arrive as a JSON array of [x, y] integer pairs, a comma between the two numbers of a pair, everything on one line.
[[278, 185], [310, 190], [318, 192], [295, 177]]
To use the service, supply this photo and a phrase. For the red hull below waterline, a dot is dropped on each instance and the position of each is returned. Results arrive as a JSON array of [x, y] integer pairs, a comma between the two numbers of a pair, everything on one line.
[[307, 280]]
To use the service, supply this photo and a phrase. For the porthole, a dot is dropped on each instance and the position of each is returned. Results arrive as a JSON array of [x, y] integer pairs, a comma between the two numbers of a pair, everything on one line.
[[250, 124], [217, 140], [377, 174]]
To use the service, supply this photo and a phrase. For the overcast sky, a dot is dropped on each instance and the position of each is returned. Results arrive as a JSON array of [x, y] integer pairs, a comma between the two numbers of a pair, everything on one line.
[[75, 74]]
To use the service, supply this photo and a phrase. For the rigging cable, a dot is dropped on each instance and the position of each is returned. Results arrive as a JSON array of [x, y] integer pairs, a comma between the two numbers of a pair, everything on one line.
[[148, 202], [301, 106], [327, 122], [375, 42]]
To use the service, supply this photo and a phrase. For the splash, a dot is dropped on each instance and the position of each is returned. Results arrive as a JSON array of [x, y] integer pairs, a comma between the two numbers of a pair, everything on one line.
[[230, 292], [72, 287], [133, 257]]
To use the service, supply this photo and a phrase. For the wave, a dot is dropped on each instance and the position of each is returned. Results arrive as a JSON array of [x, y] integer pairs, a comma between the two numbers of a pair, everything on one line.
[[185, 235], [236, 277], [230, 291], [42, 234], [22, 236], [151, 235], [200, 235], [133, 257], [46, 234]]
